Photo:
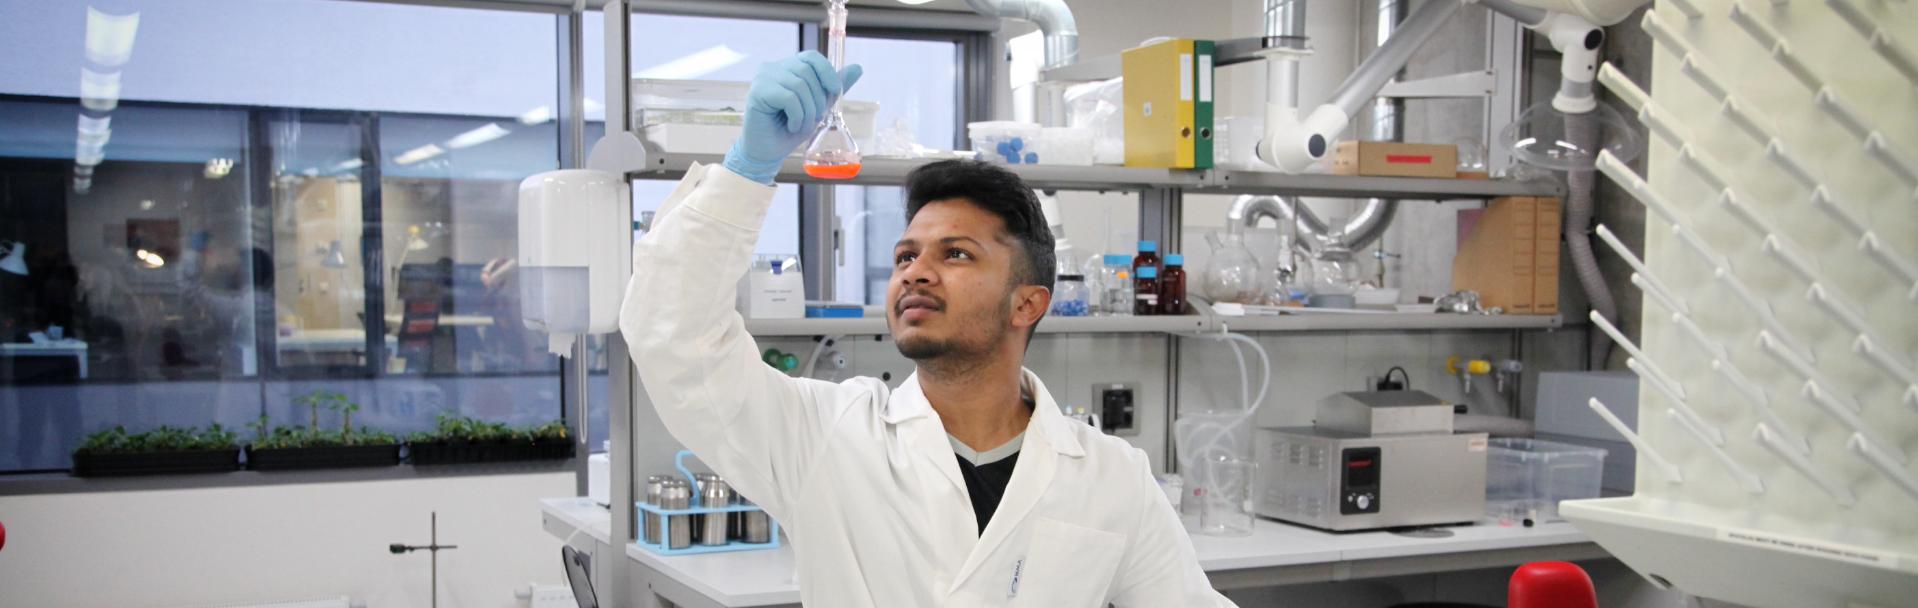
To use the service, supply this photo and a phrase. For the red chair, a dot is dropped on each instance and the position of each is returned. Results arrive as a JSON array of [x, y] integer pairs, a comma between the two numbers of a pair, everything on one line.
[[1550, 585]]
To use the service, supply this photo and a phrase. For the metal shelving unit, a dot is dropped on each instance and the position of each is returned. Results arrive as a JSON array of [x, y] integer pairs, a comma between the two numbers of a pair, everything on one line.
[[1386, 322], [1203, 321], [892, 172]]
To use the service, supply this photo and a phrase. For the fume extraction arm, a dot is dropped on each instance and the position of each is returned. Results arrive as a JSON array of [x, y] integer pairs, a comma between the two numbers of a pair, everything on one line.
[[1294, 140]]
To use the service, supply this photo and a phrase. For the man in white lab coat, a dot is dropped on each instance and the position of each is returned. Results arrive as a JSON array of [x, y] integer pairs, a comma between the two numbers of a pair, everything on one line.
[[964, 486]]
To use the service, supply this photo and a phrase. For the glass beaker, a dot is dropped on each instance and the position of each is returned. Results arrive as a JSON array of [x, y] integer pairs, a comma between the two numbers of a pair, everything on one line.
[[1225, 496], [1335, 277], [833, 153]]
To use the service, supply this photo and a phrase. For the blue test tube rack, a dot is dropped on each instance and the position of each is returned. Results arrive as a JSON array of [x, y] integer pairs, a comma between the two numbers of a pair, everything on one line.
[[666, 515]]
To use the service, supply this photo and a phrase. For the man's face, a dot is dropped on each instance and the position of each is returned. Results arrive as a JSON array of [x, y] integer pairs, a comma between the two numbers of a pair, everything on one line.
[[952, 287]]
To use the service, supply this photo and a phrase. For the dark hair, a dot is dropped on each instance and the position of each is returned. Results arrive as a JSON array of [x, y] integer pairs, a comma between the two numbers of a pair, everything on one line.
[[999, 192]]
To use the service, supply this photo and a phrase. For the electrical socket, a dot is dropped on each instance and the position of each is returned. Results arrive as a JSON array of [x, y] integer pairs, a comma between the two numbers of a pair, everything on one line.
[[1117, 407]]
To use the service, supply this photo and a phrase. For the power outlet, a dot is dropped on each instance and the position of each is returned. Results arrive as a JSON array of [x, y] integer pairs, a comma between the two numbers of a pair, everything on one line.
[[1118, 408]]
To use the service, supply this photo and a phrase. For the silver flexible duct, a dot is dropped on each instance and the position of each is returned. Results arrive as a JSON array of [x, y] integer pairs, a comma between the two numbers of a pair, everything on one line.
[[1055, 22], [1364, 227], [1582, 131]]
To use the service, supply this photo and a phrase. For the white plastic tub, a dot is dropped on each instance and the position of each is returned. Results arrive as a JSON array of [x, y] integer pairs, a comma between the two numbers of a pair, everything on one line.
[[1526, 478]]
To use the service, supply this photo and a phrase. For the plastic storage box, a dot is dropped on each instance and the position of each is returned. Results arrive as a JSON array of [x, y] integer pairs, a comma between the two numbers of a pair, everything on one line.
[[1005, 142], [703, 116], [1526, 478]]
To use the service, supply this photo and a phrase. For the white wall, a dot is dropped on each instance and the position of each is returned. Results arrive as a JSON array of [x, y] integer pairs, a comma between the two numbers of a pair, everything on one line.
[[222, 545]]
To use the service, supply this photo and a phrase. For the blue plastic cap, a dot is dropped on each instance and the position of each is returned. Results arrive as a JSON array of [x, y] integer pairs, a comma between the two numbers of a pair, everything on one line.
[[1118, 259], [1145, 246], [1173, 259], [1018, 143], [1032, 158], [1148, 272], [1004, 148]]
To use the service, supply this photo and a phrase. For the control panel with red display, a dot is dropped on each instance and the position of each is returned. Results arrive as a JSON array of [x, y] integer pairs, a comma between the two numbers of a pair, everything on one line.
[[1359, 481]]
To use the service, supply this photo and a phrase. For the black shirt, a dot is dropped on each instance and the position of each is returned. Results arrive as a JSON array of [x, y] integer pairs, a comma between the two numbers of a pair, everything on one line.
[[986, 484]]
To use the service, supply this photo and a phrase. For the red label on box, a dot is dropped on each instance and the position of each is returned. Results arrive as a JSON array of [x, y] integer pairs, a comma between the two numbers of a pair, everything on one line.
[[1408, 159]]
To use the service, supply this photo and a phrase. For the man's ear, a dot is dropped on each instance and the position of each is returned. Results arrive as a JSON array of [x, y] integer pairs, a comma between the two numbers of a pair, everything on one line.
[[1029, 304]]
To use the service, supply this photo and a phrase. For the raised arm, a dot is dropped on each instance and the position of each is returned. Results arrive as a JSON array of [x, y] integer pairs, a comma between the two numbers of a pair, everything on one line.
[[751, 423]]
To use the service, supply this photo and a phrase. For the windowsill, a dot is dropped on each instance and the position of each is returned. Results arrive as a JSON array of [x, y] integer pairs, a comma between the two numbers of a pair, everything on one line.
[[62, 483]]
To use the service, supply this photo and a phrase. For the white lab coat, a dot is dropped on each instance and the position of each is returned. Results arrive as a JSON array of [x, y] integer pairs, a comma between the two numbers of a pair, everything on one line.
[[861, 476]]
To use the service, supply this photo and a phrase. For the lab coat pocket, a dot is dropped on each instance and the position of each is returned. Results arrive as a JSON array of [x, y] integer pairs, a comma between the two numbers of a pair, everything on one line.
[[1066, 565]]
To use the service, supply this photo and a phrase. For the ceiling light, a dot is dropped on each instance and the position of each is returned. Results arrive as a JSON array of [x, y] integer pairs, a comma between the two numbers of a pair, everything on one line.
[[418, 154], [16, 260], [539, 115], [218, 168], [698, 64], [478, 136], [110, 37], [151, 259], [99, 91], [351, 164]]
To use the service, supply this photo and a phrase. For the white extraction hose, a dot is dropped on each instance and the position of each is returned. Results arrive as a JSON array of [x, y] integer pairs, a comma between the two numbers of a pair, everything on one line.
[[1206, 437]]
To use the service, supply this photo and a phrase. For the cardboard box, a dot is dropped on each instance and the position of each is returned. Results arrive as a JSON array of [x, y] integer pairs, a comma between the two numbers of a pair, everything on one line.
[[1509, 253], [1394, 159]]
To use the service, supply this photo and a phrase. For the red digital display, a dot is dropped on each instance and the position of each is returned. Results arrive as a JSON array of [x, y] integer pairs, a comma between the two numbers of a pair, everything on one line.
[[1359, 464]]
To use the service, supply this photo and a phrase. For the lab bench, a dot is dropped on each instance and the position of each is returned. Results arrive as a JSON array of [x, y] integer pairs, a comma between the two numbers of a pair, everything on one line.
[[1275, 554]]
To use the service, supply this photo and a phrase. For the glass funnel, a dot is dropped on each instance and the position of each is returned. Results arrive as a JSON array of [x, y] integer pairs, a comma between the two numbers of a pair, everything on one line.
[[833, 153]]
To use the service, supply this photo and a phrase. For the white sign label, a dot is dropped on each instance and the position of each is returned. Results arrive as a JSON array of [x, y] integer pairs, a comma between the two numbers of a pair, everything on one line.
[[1185, 77], [1477, 444], [1205, 78]]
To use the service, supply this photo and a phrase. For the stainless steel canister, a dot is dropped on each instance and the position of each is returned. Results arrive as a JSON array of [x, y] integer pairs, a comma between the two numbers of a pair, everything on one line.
[[715, 494], [677, 494], [649, 528], [757, 525], [700, 481]]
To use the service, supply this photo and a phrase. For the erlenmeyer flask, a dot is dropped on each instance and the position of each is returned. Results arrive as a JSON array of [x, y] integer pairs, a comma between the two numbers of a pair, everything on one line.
[[833, 154]]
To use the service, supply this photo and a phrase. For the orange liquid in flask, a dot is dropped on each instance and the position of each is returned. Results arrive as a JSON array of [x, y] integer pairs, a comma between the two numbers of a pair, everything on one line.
[[840, 171]]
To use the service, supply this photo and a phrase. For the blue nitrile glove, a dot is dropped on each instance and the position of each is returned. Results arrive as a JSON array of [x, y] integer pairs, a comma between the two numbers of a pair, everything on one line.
[[788, 100]]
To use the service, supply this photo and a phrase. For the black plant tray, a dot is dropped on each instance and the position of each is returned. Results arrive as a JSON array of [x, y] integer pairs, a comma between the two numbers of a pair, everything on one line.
[[473, 453], [327, 457], [88, 464]]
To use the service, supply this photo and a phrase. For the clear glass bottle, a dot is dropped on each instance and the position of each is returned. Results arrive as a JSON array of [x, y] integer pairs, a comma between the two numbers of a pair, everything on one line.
[[1117, 281], [1069, 296]]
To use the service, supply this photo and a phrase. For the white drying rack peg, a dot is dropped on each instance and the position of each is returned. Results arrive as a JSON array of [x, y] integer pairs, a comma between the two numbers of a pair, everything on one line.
[[1644, 274], [1711, 432], [1880, 457], [1798, 460], [1672, 304], [1890, 260], [1803, 368], [1752, 483], [1899, 57], [1761, 403], [1697, 334], [1849, 317], [1876, 143], [1665, 467], [1868, 347], [1769, 40], [1687, 7], [1818, 395], [1619, 337]]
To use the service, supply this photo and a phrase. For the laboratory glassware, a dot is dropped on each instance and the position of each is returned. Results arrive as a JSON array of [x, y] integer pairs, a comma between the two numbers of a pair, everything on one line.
[[1225, 496], [1145, 292], [1172, 286], [1232, 273], [1069, 296], [1118, 286], [833, 153]]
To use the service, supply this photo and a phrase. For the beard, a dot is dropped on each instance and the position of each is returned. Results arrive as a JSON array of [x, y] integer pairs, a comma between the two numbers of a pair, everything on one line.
[[978, 332]]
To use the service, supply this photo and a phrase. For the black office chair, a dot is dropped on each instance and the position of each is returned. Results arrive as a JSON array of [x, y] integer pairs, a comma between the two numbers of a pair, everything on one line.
[[578, 568]]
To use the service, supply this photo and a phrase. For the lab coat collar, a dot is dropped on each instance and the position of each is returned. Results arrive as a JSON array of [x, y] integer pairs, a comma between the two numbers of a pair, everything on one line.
[[910, 402]]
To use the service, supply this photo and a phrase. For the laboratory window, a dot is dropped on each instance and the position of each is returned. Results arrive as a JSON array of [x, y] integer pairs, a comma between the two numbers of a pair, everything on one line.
[[329, 202]]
